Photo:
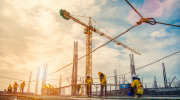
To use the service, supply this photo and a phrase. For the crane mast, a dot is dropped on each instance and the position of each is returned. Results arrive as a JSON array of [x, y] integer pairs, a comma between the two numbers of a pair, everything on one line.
[[88, 33]]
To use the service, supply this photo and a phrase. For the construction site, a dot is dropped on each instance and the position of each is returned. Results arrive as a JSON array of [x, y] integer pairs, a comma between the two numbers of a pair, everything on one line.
[[79, 86]]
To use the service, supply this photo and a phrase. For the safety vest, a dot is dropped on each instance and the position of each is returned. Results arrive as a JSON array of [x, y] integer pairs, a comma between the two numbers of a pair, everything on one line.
[[89, 81], [15, 85], [138, 85], [49, 87], [9, 88], [22, 85], [102, 78], [45, 87]]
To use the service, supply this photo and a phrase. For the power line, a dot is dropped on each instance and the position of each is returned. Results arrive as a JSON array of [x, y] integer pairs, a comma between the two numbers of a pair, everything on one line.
[[151, 63], [158, 60], [12, 78], [144, 65], [117, 75], [5, 83]]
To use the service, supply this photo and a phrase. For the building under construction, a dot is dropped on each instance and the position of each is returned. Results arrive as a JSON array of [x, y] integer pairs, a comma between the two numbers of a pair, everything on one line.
[[114, 91]]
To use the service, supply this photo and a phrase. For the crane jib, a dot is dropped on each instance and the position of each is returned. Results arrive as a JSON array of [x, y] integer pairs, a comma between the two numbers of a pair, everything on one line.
[[66, 15]]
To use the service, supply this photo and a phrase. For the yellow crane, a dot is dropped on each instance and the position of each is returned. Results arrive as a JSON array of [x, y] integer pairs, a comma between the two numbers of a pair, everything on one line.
[[88, 31]]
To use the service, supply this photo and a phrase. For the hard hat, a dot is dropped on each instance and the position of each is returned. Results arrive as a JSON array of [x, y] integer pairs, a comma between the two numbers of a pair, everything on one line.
[[99, 73], [134, 75]]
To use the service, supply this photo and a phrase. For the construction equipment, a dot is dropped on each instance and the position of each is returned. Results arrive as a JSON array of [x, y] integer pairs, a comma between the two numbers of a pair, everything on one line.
[[88, 31], [172, 81]]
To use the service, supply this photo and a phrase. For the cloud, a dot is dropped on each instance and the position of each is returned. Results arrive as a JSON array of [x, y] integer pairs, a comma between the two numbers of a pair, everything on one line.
[[152, 8], [160, 33], [133, 17], [33, 33]]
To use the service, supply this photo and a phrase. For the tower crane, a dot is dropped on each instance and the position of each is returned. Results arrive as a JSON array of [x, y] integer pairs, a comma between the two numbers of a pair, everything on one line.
[[88, 31]]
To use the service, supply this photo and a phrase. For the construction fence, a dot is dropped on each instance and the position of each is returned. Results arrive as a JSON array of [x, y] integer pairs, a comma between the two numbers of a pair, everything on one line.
[[96, 90]]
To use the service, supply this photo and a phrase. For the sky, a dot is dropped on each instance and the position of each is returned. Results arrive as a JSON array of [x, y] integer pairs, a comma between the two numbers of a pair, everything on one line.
[[33, 34]]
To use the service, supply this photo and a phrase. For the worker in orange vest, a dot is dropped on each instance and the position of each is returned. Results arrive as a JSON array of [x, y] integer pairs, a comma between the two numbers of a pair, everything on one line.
[[22, 87], [15, 87]]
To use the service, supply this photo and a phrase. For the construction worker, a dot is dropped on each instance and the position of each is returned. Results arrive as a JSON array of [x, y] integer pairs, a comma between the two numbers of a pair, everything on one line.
[[45, 89], [49, 89], [52, 89], [78, 87], [103, 82], [9, 89], [136, 84], [56, 91], [19, 93], [15, 87], [22, 87], [88, 82]]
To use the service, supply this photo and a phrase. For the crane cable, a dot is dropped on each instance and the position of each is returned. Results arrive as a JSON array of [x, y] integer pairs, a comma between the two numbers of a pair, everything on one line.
[[94, 21], [101, 26], [148, 20]]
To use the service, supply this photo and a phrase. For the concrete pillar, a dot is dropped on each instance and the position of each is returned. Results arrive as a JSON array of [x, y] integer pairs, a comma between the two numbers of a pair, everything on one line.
[[28, 90], [37, 79], [60, 80]]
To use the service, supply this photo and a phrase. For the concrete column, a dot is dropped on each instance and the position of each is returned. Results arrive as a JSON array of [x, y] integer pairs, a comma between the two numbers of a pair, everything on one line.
[[60, 80]]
